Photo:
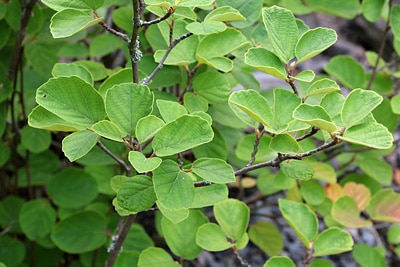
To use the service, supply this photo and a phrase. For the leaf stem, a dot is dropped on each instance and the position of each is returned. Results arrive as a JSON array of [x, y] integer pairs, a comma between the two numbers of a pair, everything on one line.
[[280, 158], [170, 11], [381, 48], [160, 65], [127, 168]]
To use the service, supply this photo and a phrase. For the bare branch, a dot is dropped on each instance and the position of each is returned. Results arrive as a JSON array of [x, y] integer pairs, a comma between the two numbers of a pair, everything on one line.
[[135, 53], [127, 168], [170, 11], [160, 65]]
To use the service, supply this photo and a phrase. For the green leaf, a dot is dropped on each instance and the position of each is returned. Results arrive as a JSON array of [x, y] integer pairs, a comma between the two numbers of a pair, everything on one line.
[[395, 104], [71, 99], [266, 61], [174, 188], [170, 110], [323, 172], [210, 237], [10, 207], [395, 21], [375, 168], [194, 102], [174, 215], [385, 206], [224, 13], [122, 76], [267, 237], [105, 44], [97, 69], [372, 9], [393, 234], [312, 192], [141, 163], [279, 261], [212, 86], [37, 218], [367, 256], [5, 153], [342, 8], [358, 104], [136, 193], [284, 104], [215, 46], [94, 4], [214, 170], [369, 134], [250, 9], [156, 257], [233, 217], [315, 116], [181, 237], [71, 69], [305, 76], [332, 241], [282, 31], [35, 140], [206, 27], [12, 251], [253, 104], [284, 143], [347, 71], [245, 148], [301, 219], [182, 134], [43, 119], [322, 87], [209, 195], [346, 212], [321, 263], [314, 42], [72, 188], [78, 144], [127, 103], [109, 130], [80, 232], [67, 22], [59, 5], [297, 169], [147, 127]]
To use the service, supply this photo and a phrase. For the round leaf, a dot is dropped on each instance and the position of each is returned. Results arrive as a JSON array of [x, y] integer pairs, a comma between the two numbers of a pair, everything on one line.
[[174, 188], [346, 212], [332, 241], [67, 22], [322, 87], [312, 192], [315, 116], [81, 232], [181, 237], [127, 103], [35, 140], [297, 169], [78, 144], [358, 104], [224, 13], [206, 27], [72, 99], [302, 220], [37, 218], [267, 237], [211, 237], [12, 251], [266, 61], [279, 261], [385, 206], [141, 163], [282, 31], [72, 188], [170, 110], [108, 130], [147, 127], [182, 134], [233, 217], [214, 170], [367, 256], [67, 70], [209, 195], [153, 256], [369, 134], [347, 71], [284, 143], [314, 42], [136, 194], [212, 86]]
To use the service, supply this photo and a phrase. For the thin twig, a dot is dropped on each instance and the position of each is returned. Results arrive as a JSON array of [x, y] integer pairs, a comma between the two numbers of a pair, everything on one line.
[[242, 261], [127, 168], [276, 161], [116, 249], [313, 131], [160, 65], [134, 51], [170, 11], [259, 134], [381, 48], [123, 36]]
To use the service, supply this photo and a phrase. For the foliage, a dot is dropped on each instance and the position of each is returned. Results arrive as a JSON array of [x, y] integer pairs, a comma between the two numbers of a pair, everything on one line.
[[140, 122]]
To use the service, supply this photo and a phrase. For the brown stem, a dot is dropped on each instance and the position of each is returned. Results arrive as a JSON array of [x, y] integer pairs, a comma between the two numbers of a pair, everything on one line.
[[170, 11], [127, 168], [381, 48], [135, 53]]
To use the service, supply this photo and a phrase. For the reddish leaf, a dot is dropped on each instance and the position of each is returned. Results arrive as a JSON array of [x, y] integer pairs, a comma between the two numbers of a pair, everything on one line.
[[346, 212], [359, 192], [385, 206], [333, 191]]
